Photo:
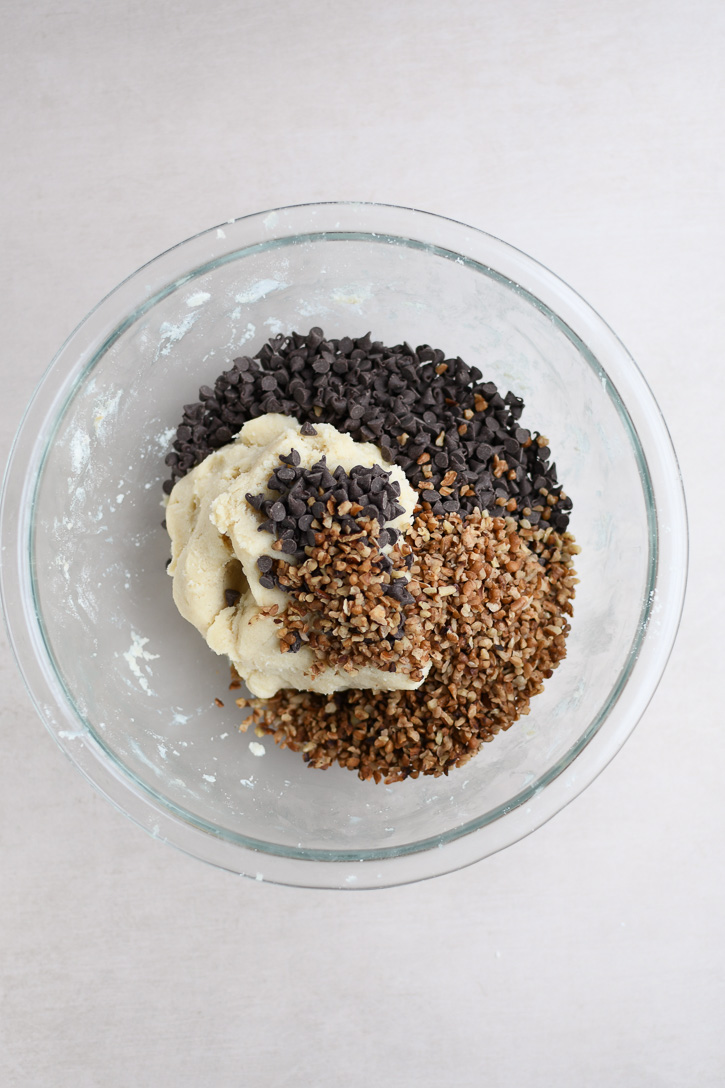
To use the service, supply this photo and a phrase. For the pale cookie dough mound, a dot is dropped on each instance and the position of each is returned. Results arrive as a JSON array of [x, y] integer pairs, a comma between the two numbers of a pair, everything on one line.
[[215, 545]]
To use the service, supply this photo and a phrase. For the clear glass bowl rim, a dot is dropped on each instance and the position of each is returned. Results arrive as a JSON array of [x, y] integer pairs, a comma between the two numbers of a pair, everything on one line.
[[479, 838]]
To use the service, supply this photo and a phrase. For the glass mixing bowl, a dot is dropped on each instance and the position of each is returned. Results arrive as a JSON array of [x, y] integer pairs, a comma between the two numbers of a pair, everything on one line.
[[127, 687]]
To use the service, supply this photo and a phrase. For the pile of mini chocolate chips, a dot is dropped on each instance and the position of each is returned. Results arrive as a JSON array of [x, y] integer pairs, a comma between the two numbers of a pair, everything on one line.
[[306, 496], [431, 415], [485, 600]]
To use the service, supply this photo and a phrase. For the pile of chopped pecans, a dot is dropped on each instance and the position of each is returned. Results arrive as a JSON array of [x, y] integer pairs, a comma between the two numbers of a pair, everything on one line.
[[350, 603], [492, 597]]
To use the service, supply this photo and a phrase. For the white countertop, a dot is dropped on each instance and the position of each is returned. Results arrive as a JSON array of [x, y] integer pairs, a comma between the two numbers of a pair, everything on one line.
[[589, 135]]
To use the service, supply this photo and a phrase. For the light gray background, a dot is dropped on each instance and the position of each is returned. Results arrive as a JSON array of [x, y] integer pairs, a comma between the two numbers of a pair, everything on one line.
[[588, 134]]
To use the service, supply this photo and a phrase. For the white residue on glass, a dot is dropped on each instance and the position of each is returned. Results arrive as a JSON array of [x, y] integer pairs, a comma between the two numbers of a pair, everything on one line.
[[353, 294], [141, 755], [171, 334], [256, 749], [259, 290], [198, 298], [237, 338], [104, 409], [246, 335], [162, 440], [85, 596], [311, 309], [80, 449], [136, 653]]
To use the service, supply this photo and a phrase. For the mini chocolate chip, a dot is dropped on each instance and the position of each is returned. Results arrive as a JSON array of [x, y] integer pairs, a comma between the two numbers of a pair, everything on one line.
[[398, 592]]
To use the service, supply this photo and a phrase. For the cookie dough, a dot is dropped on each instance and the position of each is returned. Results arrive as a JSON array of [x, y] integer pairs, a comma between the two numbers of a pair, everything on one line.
[[215, 545]]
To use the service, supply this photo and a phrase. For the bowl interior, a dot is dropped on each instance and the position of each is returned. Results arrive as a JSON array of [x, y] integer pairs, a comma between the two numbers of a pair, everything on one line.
[[143, 681]]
